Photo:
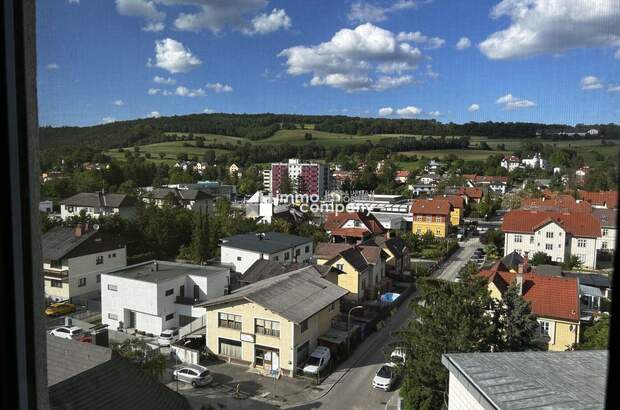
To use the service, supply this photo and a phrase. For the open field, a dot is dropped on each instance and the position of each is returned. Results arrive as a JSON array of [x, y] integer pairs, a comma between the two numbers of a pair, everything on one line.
[[171, 149], [464, 154]]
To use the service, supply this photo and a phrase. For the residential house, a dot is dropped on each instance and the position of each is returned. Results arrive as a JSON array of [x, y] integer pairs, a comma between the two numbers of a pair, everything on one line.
[[305, 178], [421, 189], [392, 211], [510, 162], [557, 202], [605, 199], [554, 300], [435, 167], [72, 258], [353, 227], [402, 176], [274, 324], [398, 254], [537, 380], [234, 169], [361, 268], [192, 199], [557, 234], [582, 173], [339, 177], [496, 184], [429, 179], [536, 162], [156, 295], [83, 375], [241, 251], [608, 219], [458, 208], [431, 215], [264, 269], [96, 204]]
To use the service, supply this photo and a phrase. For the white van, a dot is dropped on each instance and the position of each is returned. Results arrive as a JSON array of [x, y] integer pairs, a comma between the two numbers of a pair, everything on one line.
[[317, 361]]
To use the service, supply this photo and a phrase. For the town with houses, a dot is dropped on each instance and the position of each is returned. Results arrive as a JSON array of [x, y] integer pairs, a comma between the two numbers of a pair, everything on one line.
[[310, 295]]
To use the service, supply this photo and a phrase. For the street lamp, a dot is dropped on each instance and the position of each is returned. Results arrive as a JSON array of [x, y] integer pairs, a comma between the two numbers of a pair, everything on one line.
[[349, 327]]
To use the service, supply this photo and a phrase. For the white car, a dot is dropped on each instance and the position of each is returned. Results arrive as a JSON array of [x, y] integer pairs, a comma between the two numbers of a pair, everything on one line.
[[66, 332], [194, 374], [398, 356], [385, 377], [168, 336], [317, 361]]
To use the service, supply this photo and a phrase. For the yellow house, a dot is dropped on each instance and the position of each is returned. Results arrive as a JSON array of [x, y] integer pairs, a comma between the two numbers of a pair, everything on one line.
[[553, 299], [458, 205], [275, 323], [360, 268], [431, 215]]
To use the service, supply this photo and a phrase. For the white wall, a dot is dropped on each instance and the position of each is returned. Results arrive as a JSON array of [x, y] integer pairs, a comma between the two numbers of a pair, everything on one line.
[[608, 237], [459, 398], [241, 260], [587, 254]]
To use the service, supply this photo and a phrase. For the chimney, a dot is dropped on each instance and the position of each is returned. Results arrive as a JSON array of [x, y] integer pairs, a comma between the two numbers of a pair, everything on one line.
[[526, 266], [78, 230], [519, 280]]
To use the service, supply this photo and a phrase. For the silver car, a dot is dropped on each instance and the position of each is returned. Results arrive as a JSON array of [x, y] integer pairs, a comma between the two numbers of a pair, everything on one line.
[[194, 374]]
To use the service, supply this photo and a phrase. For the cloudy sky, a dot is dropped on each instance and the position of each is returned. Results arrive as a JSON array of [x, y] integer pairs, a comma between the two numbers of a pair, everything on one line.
[[553, 61]]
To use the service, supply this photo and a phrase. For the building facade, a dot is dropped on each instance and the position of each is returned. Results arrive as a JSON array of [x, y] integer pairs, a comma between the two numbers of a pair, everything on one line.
[[304, 178], [96, 204], [431, 215]]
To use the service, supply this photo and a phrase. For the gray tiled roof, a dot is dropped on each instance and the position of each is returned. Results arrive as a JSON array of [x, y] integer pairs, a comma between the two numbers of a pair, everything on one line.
[[264, 268], [271, 242], [95, 199], [184, 194], [61, 242], [295, 295], [86, 376], [533, 380], [607, 217]]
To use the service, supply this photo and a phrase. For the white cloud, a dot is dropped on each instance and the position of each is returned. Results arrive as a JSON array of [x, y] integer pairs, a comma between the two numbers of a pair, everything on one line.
[[187, 92], [355, 60], [73, 1], [434, 113], [163, 80], [463, 43], [430, 43], [208, 111], [430, 73], [268, 23], [118, 103], [153, 91], [613, 88], [473, 108], [553, 26], [511, 102], [215, 15], [409, 111], [219, 87], [143, 9], [108, 120], [52, 66], [173, 56], [385, 111], [590, 82], [363, 12], [154, 114]]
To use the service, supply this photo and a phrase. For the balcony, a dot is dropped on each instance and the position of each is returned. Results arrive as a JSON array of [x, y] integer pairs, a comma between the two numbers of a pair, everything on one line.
[[183, 300], [56, 273]]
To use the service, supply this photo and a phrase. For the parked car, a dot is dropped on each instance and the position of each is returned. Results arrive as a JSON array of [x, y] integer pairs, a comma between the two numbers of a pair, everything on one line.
[[385, 377], [168, 336], [57, 309], [66, 332], [317, 361], [194, 374], [398, 356]]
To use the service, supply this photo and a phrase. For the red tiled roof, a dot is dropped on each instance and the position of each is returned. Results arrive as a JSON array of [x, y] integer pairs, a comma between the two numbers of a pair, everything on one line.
[[557, 203], [473, 193], [431, 207], [528, 221], [608, 198], [512, 158], [455, 200], [403, 174], [335, 220], [485, 178], [549, 296]]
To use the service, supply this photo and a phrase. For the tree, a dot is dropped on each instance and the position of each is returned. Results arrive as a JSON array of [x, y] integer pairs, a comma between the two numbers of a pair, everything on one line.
[[595, 336], [540, 258], [198, 249], [140, 353], [515, 324], [452, 319], [573, 262], [162, 155]]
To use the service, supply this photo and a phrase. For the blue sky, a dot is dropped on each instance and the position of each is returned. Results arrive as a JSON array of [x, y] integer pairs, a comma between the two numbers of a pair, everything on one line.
[[552, 61]]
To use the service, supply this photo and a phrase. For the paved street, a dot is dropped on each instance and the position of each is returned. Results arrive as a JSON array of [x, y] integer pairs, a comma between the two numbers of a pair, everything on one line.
[[455, 263]]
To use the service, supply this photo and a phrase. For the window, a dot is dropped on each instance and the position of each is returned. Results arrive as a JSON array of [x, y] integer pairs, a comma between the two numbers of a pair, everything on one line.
[[297, 252], [113, 288], [99, 278], [230, 321], [544, 328], [581, 243], [550, 235], [605, 232], [230, 348], [238, 258], [267, 327], [340, 266], [604, 245], [303, 326], [429, 219], [518, 239], [307, 248], [331, 307], [82, 282], [112, 316], [532, 239], [169, 292], [56, 264], [549, 247], [169, 317], [56, 283], [287, 256], [418, 218], [99, 260], [438, 219]]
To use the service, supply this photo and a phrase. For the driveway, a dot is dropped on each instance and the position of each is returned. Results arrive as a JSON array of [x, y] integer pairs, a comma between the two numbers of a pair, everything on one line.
[[451, 268]]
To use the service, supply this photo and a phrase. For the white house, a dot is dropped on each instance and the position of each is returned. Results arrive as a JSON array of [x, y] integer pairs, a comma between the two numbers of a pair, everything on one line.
[[537, 161], [558, 234], [96, 204], [157, 295], [510, 163], [608, 219], [72, 259], [241, 251], [192, 199]]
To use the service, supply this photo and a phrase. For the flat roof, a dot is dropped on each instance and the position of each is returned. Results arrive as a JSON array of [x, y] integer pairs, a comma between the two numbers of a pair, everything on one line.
[[533, 380], [269, 242], [156, 271]]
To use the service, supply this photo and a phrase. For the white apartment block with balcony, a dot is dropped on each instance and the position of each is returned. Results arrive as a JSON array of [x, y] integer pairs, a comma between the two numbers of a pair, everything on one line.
[[157, 295]]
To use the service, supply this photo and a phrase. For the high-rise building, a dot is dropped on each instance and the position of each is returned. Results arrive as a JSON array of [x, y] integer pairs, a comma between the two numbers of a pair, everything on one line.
[[304, 178]]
